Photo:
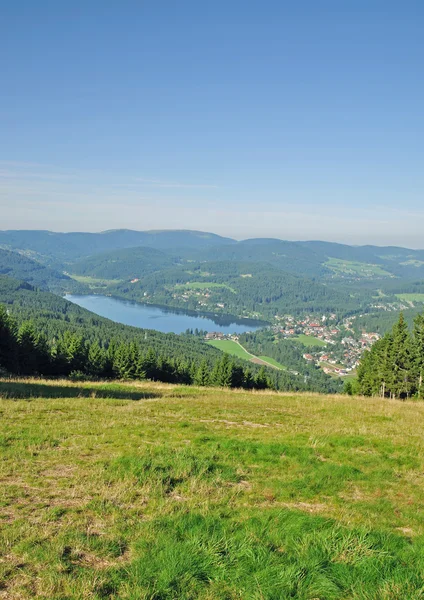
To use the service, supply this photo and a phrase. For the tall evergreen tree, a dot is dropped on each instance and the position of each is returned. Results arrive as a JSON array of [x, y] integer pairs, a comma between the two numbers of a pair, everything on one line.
[[96, 360], [202, 374], [27, 348], [401, 360], [418, 355], [8, 343], [261, 380]]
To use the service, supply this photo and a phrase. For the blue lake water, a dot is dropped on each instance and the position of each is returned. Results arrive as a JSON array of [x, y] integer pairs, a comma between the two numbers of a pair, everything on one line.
[[167, 320]]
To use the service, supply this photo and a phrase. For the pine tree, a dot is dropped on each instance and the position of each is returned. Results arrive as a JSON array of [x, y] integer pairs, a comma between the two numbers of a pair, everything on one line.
[[237, 376], [122, 364], [146, 368], [261, 380], [27, 349], [418, 353], [96, 360], [401, 360], [225, 371], [8, 343], [44, 355], [202, 374], [249, 382]]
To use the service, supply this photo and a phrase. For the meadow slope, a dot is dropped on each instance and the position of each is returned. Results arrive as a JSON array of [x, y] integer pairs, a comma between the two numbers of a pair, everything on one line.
[[151, 491]]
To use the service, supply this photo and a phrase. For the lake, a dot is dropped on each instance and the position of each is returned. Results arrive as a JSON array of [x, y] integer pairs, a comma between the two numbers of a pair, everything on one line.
[[167, 320]]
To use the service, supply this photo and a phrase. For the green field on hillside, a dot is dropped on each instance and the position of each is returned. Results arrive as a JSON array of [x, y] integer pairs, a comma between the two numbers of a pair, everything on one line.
[[235, 349], [272, 362], [308, 340], [203, 285], [411, 297], [94, 282], [356, 269], [151, 491], [230, 347]]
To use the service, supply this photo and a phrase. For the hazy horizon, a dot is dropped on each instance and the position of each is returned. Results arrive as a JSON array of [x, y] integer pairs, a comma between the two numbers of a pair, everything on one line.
[[284, 121], [238, 239]]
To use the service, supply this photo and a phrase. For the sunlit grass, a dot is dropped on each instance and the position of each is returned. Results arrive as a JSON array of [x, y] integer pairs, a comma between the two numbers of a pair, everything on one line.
[[145, 490], [236, 349], [308, 340], [411, 297]]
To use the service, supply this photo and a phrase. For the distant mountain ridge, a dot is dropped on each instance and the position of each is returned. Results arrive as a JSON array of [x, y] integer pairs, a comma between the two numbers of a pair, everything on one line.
[[48, 245], [316, 259]]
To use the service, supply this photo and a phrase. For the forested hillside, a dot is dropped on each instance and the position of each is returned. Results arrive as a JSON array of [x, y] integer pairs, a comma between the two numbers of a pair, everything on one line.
[[240, 288], [311, 259], [126, 264], [61, 338], [358, 289], [49, 246], [18, 266], [394, 367], [290, 354]]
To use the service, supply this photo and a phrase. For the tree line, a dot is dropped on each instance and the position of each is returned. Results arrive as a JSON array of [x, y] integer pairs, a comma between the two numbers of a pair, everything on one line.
[[26, 351], [54, 316], [394, 366]]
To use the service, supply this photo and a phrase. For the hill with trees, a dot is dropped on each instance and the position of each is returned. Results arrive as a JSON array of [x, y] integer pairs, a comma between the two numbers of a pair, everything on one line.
[[255, 290], [53, 247], [47, 335], [21, 267], [394, 367], [311, 259], [125, 264]]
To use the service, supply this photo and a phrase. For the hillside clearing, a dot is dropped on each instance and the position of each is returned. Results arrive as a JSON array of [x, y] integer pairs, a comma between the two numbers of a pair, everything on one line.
[[308, 340], [236, 349], [146, 490], [204, 285], [356, 269], [94, 282], [414, 297]]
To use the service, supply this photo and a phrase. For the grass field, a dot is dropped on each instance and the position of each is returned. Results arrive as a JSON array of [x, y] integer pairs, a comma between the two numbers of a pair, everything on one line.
[[203, 285], [235, 349], [94, 283], [231, 348], [356, 269], [411, 297], [272, 361], [308, 340], [149, 491]]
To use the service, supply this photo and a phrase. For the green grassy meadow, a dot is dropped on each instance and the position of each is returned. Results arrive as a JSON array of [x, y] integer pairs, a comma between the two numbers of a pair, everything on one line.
[[151, 491], [411, 297], [235, 349], [308, 340], [204, 285], [356, 269], [94, 282], [231, 348], [272, 362]]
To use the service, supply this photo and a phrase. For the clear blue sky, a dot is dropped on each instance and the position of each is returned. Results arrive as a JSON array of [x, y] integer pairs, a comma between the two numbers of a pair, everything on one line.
[[297, 120]]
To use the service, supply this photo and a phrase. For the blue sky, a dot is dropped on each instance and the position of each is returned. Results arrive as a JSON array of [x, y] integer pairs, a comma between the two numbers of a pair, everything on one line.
[[300, 120]]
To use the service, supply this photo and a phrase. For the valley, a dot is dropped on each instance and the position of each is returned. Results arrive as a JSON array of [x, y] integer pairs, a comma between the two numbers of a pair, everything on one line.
[[191, 281]]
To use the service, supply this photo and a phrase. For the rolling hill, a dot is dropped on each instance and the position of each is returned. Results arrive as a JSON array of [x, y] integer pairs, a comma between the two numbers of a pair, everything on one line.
[[249, 289], [53, 247], [55, 317], [311, 259], [20, 267], [127, 263]]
